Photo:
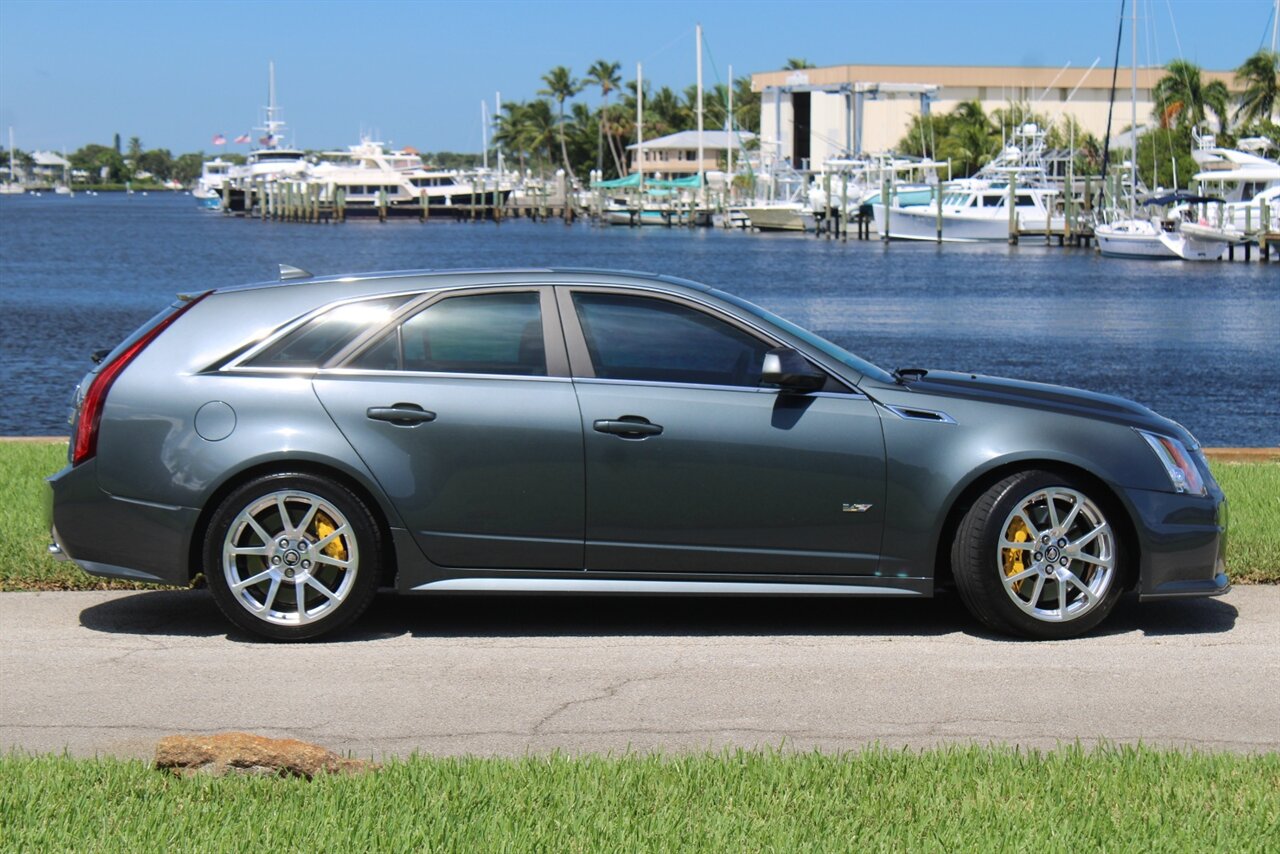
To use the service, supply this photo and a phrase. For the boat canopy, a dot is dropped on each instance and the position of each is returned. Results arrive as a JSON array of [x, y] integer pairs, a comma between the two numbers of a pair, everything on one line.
[[633, 180], [1178, 197]]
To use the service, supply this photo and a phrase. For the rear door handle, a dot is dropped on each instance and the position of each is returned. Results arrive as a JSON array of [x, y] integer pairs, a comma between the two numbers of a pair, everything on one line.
[[628, 427], [400, 414]]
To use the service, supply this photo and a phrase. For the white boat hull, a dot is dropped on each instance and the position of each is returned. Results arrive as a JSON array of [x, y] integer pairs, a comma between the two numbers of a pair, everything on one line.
[[921, 223], [1142, 241], [777, 218]]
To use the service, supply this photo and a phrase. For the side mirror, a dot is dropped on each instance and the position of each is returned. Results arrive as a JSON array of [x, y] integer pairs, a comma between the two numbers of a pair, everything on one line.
[[790, 371]]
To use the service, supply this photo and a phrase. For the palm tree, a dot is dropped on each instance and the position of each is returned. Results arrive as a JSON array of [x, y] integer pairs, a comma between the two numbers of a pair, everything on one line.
[[561, 86], [1182, 96], [605, 75], [971, 139], [794, 64], [1259, 74], [746, 105]]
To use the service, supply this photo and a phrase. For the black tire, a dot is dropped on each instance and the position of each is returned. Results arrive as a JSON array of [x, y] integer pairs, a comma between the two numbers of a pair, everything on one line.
[[1020, 590], [322, 552]]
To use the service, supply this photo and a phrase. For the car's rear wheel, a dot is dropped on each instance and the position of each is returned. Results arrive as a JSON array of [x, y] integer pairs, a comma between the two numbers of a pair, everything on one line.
[[292, 556], [1037, 555]]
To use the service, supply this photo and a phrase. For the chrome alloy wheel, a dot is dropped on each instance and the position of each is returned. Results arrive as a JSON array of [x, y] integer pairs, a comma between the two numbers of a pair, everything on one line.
[[1057, 555], [290, 558]]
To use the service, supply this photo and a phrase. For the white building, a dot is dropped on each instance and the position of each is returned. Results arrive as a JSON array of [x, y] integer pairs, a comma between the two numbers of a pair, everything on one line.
[[815, 114]]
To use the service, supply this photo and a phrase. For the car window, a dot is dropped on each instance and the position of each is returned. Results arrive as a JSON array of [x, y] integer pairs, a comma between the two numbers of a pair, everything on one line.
[[323, 336], [475, 334], [641, 338]]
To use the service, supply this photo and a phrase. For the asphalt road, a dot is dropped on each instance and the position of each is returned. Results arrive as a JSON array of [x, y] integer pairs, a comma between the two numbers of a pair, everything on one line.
[[109, 673]]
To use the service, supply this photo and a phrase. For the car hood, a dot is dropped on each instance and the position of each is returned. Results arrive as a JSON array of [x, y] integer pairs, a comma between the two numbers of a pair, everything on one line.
[[1054, 398]]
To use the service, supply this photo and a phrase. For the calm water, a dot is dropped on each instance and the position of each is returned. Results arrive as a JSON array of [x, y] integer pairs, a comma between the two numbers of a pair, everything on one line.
[[1199, 343]]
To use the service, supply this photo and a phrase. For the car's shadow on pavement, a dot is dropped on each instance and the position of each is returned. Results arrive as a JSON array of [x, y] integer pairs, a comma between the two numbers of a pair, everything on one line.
[[192, 613]]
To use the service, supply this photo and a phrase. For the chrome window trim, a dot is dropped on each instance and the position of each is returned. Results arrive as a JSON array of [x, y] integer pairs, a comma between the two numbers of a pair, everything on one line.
[[713, 387], [338, 373]]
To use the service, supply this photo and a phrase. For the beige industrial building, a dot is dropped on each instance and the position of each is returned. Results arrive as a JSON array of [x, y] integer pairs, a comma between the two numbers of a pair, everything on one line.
[[811, 115]]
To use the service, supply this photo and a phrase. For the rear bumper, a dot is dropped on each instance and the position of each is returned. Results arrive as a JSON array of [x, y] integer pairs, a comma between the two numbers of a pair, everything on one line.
[[117, 537], [1183, 540]]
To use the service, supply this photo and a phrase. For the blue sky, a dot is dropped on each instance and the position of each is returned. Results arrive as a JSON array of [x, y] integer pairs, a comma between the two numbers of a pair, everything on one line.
[[175, 73]]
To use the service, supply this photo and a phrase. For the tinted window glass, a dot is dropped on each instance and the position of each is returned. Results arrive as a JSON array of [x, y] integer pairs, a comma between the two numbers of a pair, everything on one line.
[[322, 337], [480, 334], [639, 338]]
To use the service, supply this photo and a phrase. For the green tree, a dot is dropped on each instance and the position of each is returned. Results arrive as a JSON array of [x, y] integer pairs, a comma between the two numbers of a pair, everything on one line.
[[1182, 97], [795, 64], [187, 167], [746, 105], [1259, 75], [99, 159], [605, 75], [561, 86], [159, 162], [135, 149]]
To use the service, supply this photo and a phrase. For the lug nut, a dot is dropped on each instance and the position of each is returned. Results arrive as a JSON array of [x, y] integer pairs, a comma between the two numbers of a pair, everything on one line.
[[1038, 556], [1045, 539], [275, 559], [1062, 543], [303, 545], [306, 564], [288, 573], [284, 544], [1063, 562]]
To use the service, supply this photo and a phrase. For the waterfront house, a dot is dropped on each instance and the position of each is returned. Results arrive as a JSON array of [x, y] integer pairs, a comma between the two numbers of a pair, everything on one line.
[[677, 153]]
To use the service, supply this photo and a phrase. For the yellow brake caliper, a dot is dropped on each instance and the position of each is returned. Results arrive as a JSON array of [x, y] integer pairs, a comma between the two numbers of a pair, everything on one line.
[[337, 547], [1014, 559]]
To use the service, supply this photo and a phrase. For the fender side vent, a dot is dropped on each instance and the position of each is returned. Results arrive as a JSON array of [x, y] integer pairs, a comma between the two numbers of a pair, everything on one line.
[[909, 413]]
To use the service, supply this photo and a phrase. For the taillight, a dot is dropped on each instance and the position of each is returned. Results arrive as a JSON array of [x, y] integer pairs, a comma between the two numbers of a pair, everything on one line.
[[86, 438]]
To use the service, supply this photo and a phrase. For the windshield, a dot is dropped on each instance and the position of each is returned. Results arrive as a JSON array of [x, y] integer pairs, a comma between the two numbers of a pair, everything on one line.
[[862, 366]]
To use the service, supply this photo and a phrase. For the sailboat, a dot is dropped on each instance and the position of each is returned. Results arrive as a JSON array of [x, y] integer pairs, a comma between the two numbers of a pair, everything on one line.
[[1149, 238]]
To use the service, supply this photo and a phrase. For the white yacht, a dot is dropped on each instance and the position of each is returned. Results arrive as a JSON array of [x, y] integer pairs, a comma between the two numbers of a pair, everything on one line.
[[1247, 182], [370, 176], [270, 163], [977, 208], [213, 176]]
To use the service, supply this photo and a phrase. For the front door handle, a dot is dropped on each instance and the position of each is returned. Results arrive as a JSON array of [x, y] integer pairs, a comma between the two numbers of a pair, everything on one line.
[[400, 414], [627, 426]]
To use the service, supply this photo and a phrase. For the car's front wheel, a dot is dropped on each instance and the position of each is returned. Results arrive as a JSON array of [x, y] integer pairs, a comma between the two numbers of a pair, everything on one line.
[[1037, 555], [292, 556]]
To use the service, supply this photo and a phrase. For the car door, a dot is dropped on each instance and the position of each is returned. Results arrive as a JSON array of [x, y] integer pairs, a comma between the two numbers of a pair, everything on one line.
[[464, 413], [693, 467]]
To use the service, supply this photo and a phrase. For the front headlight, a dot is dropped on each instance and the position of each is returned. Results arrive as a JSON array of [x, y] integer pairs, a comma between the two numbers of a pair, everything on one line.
[[1178, 463]]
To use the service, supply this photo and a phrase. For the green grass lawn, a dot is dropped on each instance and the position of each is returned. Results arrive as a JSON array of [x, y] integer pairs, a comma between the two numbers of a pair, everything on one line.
[[1253, 489], [951, 799]]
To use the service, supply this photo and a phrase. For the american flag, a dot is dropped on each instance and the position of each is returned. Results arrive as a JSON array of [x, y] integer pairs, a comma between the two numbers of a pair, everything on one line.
[[219, 139], [242, 139]]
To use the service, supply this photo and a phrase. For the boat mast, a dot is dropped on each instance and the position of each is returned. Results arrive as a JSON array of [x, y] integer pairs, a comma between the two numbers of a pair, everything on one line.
[[698, 32], [1133, 120], [12, 178], [640, 122], [728, 124]]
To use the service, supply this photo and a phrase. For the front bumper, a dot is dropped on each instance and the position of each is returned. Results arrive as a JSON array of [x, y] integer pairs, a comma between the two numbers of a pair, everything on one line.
[[1183, 543], [115, 537]]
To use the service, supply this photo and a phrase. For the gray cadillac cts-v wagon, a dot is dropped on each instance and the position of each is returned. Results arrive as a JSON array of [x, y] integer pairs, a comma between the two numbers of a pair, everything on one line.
[[303, 442]]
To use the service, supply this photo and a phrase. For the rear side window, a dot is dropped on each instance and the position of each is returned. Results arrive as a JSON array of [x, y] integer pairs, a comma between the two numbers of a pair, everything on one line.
[[323, 336], [640, 338], [475, 334]]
